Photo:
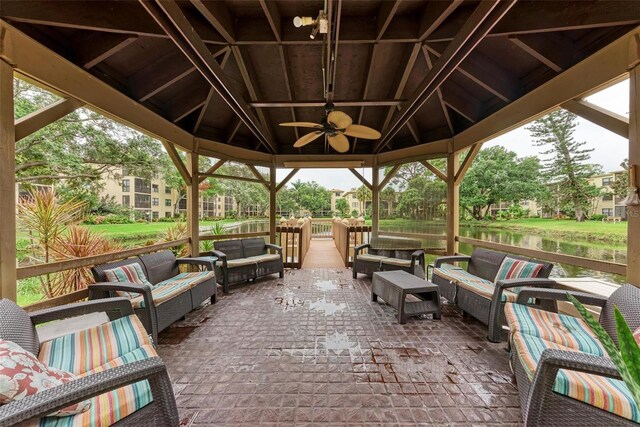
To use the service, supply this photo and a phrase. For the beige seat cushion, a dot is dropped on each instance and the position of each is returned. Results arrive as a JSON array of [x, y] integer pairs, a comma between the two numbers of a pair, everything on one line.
[[265, 257], [369, 257], [240, 262], [397, 261]]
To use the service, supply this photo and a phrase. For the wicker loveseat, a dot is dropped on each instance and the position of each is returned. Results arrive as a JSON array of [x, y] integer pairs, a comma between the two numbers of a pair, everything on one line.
[[245, 259], [475, 290], [115, 365], [386, 254], [564, 375], [167, 297]]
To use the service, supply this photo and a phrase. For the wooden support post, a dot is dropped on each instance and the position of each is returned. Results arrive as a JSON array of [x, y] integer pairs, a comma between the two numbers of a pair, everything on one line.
[[633, 212], [193, 205], [7, 185], [273, 191], [375, 200], [453, 203]]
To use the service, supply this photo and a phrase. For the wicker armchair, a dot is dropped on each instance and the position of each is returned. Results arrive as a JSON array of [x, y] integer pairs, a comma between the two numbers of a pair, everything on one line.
[[541, 404], [18, 326], [479, 296], [160, 268]]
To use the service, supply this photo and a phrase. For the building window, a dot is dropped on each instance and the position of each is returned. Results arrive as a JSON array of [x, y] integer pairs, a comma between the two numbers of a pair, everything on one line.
[[167, 202], [143, 201], [355, 205], [607, 211], [155, 188], [126, 201], [156, 201], [143, 186], [126, 185], [125, 171], [167, 190], [606, 181], [167, 214], [155, 215], [607, 197]]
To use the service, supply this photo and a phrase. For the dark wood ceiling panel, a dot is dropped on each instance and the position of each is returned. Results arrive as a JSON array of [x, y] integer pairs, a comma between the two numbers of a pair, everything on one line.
[[306, 71], [143, 52], [387, 66], [352, 65], [265, 61], [219, 114]]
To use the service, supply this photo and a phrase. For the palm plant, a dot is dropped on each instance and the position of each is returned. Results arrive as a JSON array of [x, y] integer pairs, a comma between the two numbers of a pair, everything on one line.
[[177, 231], [627, 357]]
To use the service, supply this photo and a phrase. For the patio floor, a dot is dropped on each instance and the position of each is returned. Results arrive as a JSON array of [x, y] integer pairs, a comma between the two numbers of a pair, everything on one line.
[[313, 349]]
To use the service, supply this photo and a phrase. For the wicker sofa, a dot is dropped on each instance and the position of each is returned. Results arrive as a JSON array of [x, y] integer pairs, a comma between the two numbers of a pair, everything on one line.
[[245, 259], [124, 379], [171, 295], [564, 375], [475, 290], [386, 254]]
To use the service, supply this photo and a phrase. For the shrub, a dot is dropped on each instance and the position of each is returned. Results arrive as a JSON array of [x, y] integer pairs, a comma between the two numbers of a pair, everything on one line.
[[168, 219], [597, 217]]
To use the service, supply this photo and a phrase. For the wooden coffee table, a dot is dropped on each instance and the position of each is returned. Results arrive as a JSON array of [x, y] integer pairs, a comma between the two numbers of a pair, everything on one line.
[[394, 286]]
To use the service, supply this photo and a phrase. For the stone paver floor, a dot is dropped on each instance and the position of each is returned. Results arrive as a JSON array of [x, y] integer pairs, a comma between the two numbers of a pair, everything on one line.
[[313, 349]]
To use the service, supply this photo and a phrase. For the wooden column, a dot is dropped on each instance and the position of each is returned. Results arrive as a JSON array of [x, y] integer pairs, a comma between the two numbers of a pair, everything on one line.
[[375, 200], [633, 212], [273, 191], [453, 203], [7, 185], [193, 204]]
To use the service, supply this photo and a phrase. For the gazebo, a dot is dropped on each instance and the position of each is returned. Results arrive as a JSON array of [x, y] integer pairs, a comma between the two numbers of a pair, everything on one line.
[[216, 78]]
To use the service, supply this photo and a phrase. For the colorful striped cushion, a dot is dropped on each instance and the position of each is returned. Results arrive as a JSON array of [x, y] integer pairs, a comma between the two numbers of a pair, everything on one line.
[[88, 349], [564, 330], [463, 279], [167, 289], [517, 269], [636, 335], [605, 393], [131, 273]]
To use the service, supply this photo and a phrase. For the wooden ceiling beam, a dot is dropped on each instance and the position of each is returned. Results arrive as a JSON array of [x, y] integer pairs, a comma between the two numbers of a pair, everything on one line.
[[286, 179], [178, 27], [386, 12], [207, 104], [365, 91], [554, 55], [540, 17], [461, 101], [92, 50], [602, 117], [361, 178], [233, 129], [27, 125], [177, 161], [187, 102], [287, 84], [270, 9], [212, 169], [217, 13], [467, 162], [388, 177], [434, 170], [443, 105], [485, 16], [434, 14], [321, 103], [402, 82]]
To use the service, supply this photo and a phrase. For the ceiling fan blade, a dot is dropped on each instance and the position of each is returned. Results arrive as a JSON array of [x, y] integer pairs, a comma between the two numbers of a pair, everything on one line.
[[339, 119], [339, 142], [363, 132], [304, 140], [302, 124]]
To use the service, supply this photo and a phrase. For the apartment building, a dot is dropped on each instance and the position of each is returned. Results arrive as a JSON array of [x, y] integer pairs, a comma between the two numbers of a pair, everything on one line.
[[608, 204], [351, 198]]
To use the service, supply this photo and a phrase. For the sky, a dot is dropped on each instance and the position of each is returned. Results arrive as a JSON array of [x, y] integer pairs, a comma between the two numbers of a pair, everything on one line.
[[609, 149]]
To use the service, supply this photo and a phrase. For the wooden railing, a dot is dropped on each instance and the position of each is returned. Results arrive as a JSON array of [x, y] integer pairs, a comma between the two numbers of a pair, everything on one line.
[[233, 236], [347, 237], [591, 264], [322, 228], [295, 243]]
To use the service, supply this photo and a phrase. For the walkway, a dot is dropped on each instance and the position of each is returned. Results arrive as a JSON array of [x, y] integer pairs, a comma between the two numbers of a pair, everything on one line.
[[313, 348], [322, 253]]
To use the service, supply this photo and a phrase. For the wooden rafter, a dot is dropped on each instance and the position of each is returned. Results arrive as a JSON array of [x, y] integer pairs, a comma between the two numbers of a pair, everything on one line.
[[35, 121], [601, 116], [386, 12], [237, 178], [287, 83], [286, 179], [556, 55], [177, 161], [434, 14], [437, 172], [212, 169], [443, 105], [483, 19], [361, 178], [218, 15], [270, 9], [173, 21], [258, 175], [212, 92], [94, 49], [321, 103], [233, 129], [467, 162]]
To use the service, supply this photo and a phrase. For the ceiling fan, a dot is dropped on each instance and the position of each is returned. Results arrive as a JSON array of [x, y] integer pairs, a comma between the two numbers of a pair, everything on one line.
[[335, 125]]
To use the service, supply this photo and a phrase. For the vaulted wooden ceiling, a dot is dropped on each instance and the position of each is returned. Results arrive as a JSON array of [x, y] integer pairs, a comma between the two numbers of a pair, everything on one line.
[[230, 71]]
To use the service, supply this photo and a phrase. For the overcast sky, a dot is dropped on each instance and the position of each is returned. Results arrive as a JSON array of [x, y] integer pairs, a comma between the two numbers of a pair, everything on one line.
[[609, 149]]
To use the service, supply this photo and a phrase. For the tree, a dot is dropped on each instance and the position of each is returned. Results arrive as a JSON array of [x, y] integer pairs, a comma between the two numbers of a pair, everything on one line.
[[620, 186], [250, 197], [363, 194], [75, 151], [498, 175], [172, 177], [311, 196], [387, 199], [343, 207], [567, 161]]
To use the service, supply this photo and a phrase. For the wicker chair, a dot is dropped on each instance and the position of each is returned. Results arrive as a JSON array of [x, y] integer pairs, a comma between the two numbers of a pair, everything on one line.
[[541, 404], [18, 326], [385, 254], [484, 264], [158, 267], [245, 259]]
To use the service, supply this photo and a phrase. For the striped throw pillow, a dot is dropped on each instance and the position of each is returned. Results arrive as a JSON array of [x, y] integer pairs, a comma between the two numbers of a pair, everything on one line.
[[517, 269], [131, 273]]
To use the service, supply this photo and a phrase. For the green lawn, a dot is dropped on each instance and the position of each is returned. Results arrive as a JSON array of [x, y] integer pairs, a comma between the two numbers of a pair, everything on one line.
[[553, 226]]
